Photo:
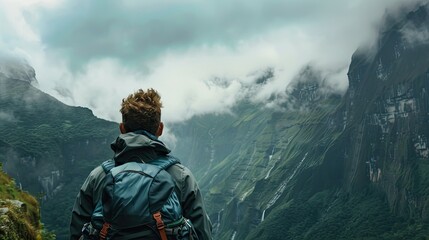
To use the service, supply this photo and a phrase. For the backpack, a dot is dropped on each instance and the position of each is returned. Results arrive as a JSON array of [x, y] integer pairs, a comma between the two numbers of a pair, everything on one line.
[[139, 201]]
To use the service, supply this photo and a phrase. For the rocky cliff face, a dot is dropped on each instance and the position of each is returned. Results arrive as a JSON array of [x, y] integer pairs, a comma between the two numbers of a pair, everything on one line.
[[339, 169], [19, 213], [391, 118], [320, 166], [18, 69], [48, 147]]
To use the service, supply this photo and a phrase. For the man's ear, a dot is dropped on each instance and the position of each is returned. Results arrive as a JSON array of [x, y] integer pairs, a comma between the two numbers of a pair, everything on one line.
[[160, 129], [122, 128]]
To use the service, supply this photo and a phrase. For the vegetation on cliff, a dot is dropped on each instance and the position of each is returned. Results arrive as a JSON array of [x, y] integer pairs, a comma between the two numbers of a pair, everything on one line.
[[349, 168], [317, 167], [19, 213], [49, 148]]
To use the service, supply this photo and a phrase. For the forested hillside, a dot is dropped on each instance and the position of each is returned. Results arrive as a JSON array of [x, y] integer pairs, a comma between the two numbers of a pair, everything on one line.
[[318, 165], [324, 166], [48, 147]]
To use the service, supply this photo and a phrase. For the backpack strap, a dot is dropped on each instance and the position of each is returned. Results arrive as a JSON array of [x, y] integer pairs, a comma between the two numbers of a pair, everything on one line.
[[164, 162], [160, 225], [104, 231], [108, 165]]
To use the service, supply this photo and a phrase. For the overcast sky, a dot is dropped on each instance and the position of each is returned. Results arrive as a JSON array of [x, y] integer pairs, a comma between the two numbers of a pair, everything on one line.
[[202, 56]]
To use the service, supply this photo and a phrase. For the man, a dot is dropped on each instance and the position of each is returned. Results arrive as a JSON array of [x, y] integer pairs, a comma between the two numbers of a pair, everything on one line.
[[140, 128]]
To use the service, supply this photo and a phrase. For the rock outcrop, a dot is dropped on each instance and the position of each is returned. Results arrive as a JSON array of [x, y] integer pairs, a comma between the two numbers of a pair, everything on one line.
[[19, 213], [18, 69]]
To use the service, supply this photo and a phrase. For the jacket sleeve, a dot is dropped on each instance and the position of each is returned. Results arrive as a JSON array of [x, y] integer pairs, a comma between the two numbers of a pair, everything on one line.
[[192, 203], [85, 202]]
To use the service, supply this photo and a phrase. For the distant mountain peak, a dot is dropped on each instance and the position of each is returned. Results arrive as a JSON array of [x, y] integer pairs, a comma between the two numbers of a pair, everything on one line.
[[18, 69]]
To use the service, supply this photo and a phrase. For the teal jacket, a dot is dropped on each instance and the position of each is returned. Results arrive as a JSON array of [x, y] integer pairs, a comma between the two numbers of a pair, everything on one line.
[[144, 147]]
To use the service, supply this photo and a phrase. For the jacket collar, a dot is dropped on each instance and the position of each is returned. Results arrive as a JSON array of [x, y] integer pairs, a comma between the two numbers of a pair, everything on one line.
[[138, 145]]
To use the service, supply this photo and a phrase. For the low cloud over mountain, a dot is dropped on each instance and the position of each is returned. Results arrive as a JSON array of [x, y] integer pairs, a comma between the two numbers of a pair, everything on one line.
[[95, 53]]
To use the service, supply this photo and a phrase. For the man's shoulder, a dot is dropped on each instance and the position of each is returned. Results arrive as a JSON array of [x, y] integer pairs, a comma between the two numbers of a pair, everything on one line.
[[179, 167], [94, 179], [97, 173], [179, 171]]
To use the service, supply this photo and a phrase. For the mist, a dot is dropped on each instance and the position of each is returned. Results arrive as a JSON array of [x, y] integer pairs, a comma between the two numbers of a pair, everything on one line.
[[203, 57]]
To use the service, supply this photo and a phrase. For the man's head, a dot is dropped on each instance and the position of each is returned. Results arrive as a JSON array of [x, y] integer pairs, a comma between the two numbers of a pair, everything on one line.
[[142, 111]]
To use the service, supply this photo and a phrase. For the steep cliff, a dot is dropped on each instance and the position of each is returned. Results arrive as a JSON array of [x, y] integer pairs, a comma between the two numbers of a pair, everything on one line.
[[391, 116], [349, 168], [17, 69], [19, 213], [48, 147], [318, 166]]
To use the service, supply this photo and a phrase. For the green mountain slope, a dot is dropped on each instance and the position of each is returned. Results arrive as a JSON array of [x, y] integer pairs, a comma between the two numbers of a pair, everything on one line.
[[318, 167], [19, 213], [49, 148], [354, 168]]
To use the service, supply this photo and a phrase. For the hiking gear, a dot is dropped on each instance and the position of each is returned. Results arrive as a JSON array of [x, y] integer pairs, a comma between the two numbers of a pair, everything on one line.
[[139, 200], [140, 145]]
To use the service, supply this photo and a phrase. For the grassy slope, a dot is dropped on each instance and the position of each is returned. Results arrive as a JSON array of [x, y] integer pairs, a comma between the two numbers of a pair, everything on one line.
[[331, 196], [41, 135], [19, 223]]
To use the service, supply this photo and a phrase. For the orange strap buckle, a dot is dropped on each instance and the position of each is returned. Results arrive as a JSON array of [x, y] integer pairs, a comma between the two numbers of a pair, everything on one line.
[[104, 231], [160, 225]]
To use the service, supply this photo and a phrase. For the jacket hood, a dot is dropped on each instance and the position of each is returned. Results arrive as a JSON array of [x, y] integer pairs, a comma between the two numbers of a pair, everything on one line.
[[139, 145]]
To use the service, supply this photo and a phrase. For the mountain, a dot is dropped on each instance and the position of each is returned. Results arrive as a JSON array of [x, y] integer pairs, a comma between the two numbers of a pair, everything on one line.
[[18, 69], [48, 147], [324, 166], [317, 166]]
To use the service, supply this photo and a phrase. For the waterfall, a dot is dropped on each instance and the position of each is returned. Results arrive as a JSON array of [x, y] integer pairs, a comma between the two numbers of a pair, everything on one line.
[[233, 235], [212, 180], [212, 151], [49, 182], [216, 225], [269, 159], [212, 148], [218, 215], [263, 215], [282, 187], [269, 171], [271, 155]]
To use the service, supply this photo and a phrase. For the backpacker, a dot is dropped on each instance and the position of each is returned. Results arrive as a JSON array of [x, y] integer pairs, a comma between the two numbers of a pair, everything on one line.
[[139, 201]]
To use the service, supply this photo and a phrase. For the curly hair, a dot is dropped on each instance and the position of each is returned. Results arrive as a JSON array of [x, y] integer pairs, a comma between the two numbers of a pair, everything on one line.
[[142, 111]]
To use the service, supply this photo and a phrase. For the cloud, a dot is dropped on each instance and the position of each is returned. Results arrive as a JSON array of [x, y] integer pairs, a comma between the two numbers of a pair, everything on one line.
[[136, 32], [7, 117], [415, 33], [202, 56]]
